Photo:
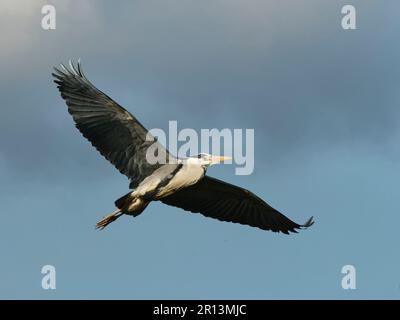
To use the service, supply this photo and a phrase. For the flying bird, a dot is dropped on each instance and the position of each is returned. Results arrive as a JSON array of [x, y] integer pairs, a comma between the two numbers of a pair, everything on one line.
[[182, 183]]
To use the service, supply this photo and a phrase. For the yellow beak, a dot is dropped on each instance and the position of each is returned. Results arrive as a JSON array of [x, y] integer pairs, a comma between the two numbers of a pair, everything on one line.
[[218, 159]]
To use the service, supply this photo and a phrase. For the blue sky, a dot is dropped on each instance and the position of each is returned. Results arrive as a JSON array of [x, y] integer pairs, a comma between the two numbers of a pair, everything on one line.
[[324, 103]]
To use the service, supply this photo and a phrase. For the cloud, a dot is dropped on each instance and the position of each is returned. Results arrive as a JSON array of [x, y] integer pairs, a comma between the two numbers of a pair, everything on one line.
[[21, 31], [286, 69]]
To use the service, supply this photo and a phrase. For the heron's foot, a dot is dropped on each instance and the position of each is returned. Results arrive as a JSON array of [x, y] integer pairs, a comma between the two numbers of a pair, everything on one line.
[[108, 219]]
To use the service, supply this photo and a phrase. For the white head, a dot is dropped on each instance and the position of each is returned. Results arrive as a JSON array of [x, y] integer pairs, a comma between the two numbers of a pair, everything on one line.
[[205, 160]]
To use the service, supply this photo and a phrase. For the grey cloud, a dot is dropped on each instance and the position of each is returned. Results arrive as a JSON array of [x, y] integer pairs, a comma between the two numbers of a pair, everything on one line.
[[303, 86]]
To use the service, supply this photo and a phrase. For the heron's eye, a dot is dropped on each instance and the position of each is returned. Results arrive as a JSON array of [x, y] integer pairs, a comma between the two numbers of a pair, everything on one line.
[[199, 156]]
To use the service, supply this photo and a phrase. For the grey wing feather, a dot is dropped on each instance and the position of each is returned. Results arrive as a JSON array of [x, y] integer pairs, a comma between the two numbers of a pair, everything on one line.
[[226, 202], [111, 129]]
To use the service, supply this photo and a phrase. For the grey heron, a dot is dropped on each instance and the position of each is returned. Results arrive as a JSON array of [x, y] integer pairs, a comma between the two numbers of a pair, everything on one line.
[[182, 183]]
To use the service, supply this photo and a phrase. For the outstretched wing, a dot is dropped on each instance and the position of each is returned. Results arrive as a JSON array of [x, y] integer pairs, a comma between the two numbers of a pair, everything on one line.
[[223, 201], [111, 129]]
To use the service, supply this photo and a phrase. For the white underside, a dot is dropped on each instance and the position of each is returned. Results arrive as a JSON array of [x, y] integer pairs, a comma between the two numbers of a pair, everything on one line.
[[189, 174]]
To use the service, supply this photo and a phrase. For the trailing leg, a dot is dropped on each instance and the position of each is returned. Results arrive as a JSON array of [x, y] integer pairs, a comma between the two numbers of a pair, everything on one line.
[[108, 219]]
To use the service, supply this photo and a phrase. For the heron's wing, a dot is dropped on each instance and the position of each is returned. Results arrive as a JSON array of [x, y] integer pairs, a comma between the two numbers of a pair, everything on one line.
[[226, 202], [111, 129]]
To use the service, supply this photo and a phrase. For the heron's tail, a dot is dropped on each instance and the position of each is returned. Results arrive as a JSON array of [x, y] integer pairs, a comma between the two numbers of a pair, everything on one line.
[[131, 204], [108, 219]]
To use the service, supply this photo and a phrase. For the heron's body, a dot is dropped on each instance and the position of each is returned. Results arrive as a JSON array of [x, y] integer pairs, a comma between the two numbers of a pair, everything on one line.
[[161, 183], [120, 138]]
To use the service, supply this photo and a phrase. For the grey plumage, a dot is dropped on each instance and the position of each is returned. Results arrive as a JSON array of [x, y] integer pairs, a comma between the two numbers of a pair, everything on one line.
[[226, 202], [112, 130], [121, 139]]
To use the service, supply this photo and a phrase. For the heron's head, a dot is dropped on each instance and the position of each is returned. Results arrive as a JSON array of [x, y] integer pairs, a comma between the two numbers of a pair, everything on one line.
[[207, 160]]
